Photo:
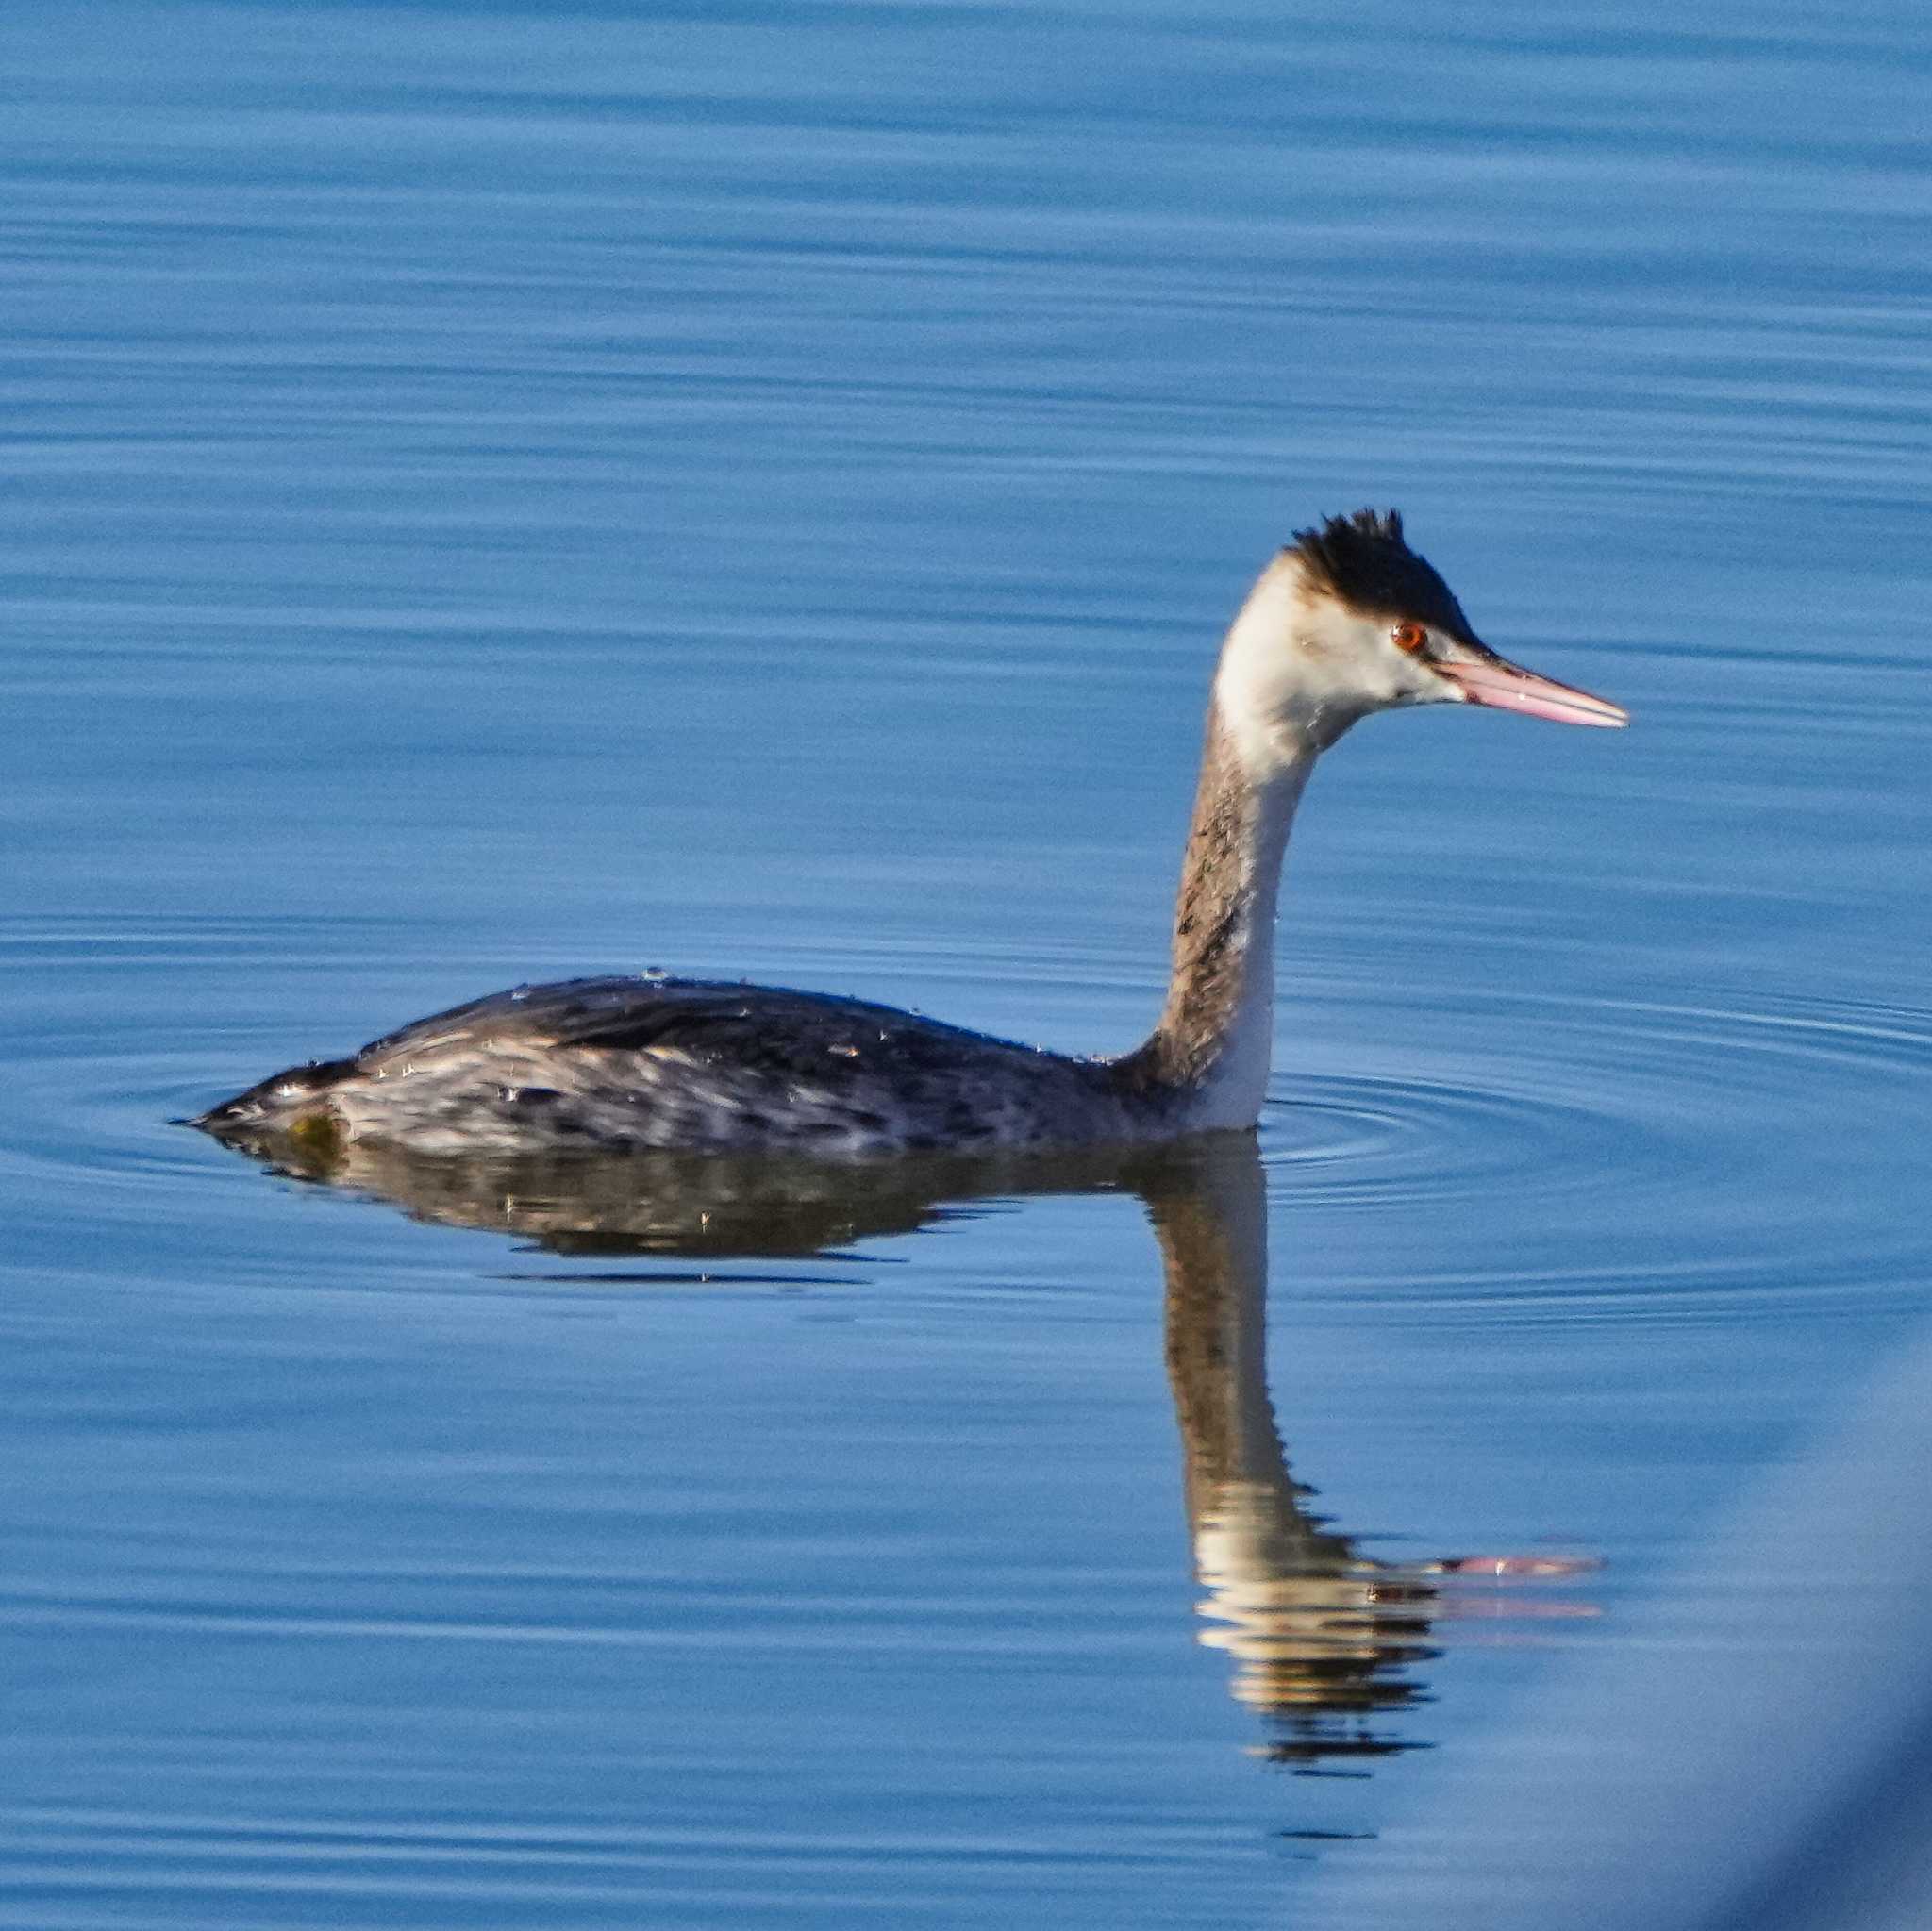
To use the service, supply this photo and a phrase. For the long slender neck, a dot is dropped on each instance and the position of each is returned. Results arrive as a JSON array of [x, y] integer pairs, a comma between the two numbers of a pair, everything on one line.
[[1209, 1052]]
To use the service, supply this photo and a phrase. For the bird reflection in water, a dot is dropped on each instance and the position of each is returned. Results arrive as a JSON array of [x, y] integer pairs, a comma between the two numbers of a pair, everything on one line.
[[1326, 1643]]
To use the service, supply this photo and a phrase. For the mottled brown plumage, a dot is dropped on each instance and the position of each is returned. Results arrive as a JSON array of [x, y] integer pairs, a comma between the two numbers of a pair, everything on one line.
[[1213, 928]]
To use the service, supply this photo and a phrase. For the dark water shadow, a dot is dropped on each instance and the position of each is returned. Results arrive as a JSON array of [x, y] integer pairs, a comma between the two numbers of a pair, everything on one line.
[[1327, 1645]]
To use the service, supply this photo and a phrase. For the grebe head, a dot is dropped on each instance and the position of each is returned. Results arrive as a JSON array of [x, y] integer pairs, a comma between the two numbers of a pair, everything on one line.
[[1349, 620]]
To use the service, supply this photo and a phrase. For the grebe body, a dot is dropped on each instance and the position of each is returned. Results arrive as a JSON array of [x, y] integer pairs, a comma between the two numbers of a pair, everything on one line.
[[1346, 620], [651, 1063]]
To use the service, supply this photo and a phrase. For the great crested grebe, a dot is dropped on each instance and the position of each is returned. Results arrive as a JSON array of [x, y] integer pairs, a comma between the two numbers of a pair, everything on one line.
[[1346, 620]]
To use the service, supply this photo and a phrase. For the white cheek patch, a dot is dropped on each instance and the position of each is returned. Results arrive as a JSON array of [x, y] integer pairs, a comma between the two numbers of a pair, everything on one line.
[[1291, 670], [1255, 681]]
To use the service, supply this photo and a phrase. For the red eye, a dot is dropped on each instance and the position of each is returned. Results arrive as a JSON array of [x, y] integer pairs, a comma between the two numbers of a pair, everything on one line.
[[1409, 637]]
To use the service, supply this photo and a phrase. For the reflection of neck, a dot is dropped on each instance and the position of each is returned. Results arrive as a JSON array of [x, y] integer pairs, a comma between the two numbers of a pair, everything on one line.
[[1319, 1635], [1215, 1035], [1214, 1243]]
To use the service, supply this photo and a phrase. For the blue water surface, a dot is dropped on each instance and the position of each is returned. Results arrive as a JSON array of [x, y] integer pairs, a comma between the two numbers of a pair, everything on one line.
[[495, 491]]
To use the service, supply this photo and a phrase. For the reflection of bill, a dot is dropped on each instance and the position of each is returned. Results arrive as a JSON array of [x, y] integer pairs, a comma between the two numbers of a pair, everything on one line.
[[1325, 1642]]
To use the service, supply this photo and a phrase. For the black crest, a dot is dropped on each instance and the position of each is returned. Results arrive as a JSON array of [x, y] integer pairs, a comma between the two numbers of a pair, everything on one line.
[[1364, 560]]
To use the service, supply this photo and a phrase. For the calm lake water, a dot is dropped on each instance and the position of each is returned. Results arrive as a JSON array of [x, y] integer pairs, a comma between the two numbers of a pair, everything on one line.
[[497, 494]]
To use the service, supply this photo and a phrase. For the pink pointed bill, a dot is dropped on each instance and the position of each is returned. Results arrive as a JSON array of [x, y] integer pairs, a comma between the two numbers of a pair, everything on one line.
[[1501, 685]]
